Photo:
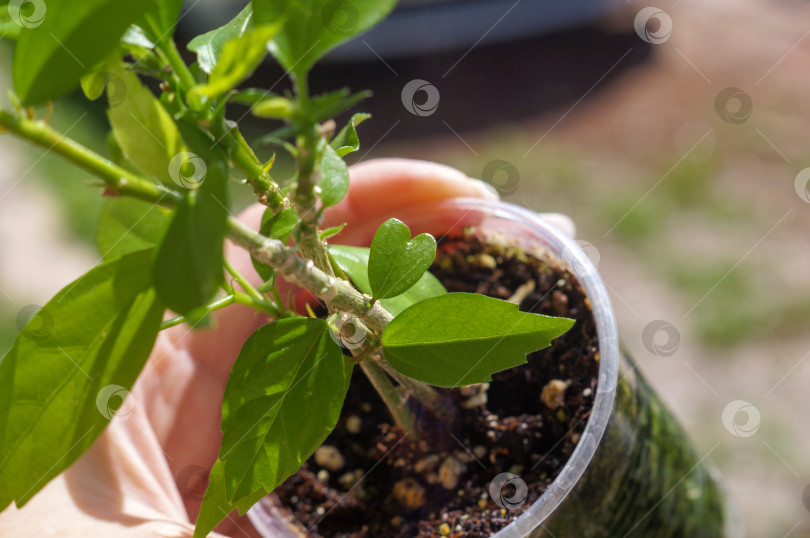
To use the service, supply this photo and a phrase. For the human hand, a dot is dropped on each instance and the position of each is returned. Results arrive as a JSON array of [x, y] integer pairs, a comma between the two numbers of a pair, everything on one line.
[[146, 474]]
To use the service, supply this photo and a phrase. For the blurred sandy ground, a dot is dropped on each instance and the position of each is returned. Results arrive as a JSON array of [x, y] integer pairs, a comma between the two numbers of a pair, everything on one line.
[[695, 220]]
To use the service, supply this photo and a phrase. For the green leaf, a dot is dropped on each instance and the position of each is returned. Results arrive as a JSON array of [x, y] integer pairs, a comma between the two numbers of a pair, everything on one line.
[[127, 225], [215, 507], [188, 266], [273, 107], [396, 261], [144, 130], [354, 262], [239, 58], [314, 27], [283, 397], [463, 338], [275, 226], [331, 231], [69, 367], [64, 39], [160, 20], [334, 177], [347, 140], [251, 96], [209, 45], [93, 84], [329, 105]]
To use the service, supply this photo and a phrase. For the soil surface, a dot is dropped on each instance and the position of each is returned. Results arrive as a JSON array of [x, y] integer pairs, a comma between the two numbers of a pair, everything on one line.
[[370, 480]]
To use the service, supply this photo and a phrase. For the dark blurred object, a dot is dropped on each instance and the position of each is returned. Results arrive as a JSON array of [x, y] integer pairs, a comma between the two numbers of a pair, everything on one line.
[[489, 61]]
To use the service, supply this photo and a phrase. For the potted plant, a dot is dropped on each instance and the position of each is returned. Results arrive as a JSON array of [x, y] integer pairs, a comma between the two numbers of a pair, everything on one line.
[[574, 440]]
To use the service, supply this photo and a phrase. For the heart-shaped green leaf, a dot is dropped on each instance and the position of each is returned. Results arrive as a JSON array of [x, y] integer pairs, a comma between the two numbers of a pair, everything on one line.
[[354, 262], [396, 261], [459, 339]]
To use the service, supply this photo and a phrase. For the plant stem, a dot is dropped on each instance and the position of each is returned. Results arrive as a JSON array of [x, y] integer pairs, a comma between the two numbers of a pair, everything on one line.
[[249, 289], [118, 180], [390, 396], [309, 175], [266, 190], [216, 305]]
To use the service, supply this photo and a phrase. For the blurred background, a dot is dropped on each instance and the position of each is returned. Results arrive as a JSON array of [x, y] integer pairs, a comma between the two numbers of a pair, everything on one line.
[[676, 136]]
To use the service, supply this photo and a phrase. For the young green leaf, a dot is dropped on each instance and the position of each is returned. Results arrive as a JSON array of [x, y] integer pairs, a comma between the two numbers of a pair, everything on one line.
[[159, 22], [275, 226], [145, 132], [354, 262], [127, 225], [314, 27], [240, 57], [329, 105], [63, 39], [334, 177], [347, 141], [463, 338], [396, 261], [74, 361], [273, 107], [188, 266], [283, 397], [215, 507], [209, 45], [331, 231]]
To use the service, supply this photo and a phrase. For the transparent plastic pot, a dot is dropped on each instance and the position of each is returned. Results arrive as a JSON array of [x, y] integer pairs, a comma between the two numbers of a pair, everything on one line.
[[634, 472]]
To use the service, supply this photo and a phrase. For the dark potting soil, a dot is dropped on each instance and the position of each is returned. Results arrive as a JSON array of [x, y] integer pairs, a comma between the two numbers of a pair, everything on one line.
[[370, 480]]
